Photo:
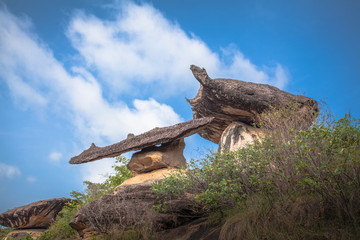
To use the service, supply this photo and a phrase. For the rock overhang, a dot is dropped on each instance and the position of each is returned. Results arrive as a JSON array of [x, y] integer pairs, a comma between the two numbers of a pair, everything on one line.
[[148, 139], [230, 100]]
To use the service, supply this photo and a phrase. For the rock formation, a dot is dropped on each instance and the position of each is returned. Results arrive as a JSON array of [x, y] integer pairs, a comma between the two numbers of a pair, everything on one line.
[[133, 200], [133, 205], [38, 214], [223, 110], [231, 100], [152, 158], [151, 138], [238, 135], [144, 179]]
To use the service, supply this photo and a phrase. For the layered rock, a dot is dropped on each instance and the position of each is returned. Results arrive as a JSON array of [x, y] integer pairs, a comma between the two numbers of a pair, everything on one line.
[[231, 100], [38, 214], [238, 135], [151, 138], [133, 205], [145, 179], [153, 158]]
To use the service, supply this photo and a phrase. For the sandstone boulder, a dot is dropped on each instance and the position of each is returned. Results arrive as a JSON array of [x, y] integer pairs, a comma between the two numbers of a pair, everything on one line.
[[38, 214], [231, 100], [145, 179], [151, 138], [238, 135], [132, 206], [164, 156]]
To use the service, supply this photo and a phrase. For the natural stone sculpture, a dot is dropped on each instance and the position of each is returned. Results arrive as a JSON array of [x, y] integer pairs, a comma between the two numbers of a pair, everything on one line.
[[151, 138], [152, 158], [34, 215], [238, 135], [232, 100]]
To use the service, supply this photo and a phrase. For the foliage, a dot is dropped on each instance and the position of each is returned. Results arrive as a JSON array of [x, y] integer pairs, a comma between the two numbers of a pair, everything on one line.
[[96, 190], [4, 231], [297, 177], [61, 229]]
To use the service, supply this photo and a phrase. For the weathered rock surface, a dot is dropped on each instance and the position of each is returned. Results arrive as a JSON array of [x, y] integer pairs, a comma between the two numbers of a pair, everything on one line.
[[151, 138], [199, 229], [238, 135], [130, 206], [21, 234], [145, 179], [231, 100], [152, 158], [38, 214]]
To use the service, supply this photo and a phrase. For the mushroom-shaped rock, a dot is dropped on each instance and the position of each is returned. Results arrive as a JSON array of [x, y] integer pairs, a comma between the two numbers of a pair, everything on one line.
[[231, 100], [151, 138], [38, 214]]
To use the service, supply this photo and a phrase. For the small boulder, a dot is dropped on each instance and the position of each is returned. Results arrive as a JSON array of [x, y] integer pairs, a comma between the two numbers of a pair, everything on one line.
[[153, 158], [238, 135], [38, 214]]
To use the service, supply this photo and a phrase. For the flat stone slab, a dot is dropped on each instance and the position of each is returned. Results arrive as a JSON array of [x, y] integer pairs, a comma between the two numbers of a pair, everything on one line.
[[151, 138]]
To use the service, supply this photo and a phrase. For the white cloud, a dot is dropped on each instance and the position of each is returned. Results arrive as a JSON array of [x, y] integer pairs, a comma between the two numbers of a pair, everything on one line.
[[9, 171], [55, 157], [77, 93], [33, 75], [142, 47], [97, 171], [31, 179]]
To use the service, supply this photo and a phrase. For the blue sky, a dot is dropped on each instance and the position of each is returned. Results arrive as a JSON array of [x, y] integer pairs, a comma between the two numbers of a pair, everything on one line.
[[76, 72]]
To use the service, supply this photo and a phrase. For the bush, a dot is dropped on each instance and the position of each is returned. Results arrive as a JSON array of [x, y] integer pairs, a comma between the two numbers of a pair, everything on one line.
[[4, 231], [297, 177], [60, 228]]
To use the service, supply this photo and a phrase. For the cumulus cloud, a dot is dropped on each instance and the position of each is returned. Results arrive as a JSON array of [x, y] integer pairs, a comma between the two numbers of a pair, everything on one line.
[[140, 46], [9, 171], [77, 92]]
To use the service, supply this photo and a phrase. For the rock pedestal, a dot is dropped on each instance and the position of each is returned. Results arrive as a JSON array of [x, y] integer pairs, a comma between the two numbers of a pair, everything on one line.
[[238, 135], [153, 158]]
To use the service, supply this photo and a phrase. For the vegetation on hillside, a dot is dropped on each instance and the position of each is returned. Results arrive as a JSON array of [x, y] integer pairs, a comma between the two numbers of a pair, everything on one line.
[[298, 182], [60, 229]]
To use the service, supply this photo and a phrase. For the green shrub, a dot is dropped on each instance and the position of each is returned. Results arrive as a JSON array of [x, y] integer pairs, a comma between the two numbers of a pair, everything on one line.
[[5, 231], [298, 177], [60, 228]]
